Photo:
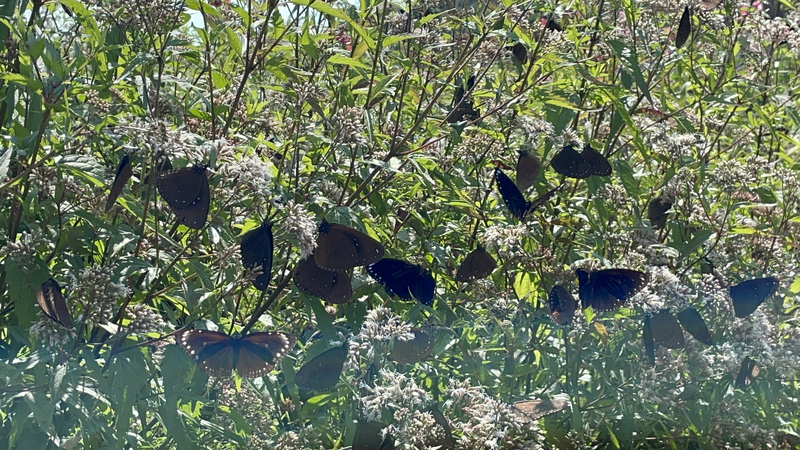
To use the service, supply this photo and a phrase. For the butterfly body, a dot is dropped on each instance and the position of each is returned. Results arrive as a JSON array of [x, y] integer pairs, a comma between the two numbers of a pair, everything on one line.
[[403, 279], [187, 193], [341, 248], [252, 356], [513, 198], [608, 289], [570, 163], [256, 249], [53, 304]]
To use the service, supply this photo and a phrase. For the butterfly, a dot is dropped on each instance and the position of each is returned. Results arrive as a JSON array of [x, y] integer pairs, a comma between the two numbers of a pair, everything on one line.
[[413, 350], [252, 356], [519, 52], [323, 371], [443, 437], [552, 25], [163, 164], [513, 198], [340, 247], [608, 289], [404, 280], [748, 295], [369, 436], [692, 322], [331, 286], [124, 173], [478, 264], [666, 330], [657, 211], [562, 305], [186, 192], [256, 249], [463, 109], [53, 304], [528, 168], [530, 410], [572, 164], [684, 28], [647, 337], [747, 373]]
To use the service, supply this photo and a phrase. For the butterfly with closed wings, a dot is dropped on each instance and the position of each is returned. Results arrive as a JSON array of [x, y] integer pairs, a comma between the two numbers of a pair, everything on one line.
[[187, 193], [53, 304], [124, 173], [608, 289], [253, 355], [692, 322], [331, 286], [256, 249], [340, 247], [562, 305], [528, 168], [684, 28], [657, 211], [322, 372], [404, 279], [478, 264], [666, 330], [369, 436], [513, 198], [748, 295], [463, 108], [413, 350], [572, 164], [747, 373], [531, 410]]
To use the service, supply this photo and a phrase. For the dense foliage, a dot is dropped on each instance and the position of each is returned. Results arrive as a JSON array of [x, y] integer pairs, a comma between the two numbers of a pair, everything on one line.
[[390, 118]]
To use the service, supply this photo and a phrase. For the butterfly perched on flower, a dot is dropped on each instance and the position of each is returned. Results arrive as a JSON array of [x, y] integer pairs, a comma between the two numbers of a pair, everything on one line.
[[570, 163], [252, 356], [478, 264], [187, 193], [748, 295], [322, 372], [340, 247], [53, 304], [513, 198], [256, 249], [404, 279], [608, 289]]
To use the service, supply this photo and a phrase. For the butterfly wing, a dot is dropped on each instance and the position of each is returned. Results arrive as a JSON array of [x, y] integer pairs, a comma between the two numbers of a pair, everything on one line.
[[562, 305], [657, 211], [530, 410], [692, 322], [608, 289], [684, 28], [53, 304], [478, 264], [423, 286], [260, 352], [187, 193], [413, 350], [443, 439], [570, 163], [747, 296], [598, 164], [369, 436], [647, 337], [341, 248], [404, 280], [512, 197], [541, 200], [666, 330], [124, 173], [333, 287], [211, 350], [323, 371], [747, 373], [256, 249], [528, 168]]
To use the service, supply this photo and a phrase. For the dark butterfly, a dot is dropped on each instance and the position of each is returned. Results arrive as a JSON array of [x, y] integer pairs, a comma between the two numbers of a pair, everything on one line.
[[53, 304], [747, 373], [478, 264], [163, 164], [413, 350], [666, 330], [463, 109], [513, 198], [528, 168], [570, 163], [369, 436], [520, 52], [256, 249], [323, 371], [657, 211], [748, 295], [647, 337], [124, 173], [333, 287], [608, 289], [562, 305], [443, 437], [684, 28], [552, 25], [252, 356], [186, 192], [530, 410], [404, 280], [692, 322], [342, 248]]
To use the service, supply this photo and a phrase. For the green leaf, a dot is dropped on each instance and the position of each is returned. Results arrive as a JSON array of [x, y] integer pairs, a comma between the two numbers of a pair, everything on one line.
[[700, 237], [344, 60], [22, 286], [325, 8], [625, 173]]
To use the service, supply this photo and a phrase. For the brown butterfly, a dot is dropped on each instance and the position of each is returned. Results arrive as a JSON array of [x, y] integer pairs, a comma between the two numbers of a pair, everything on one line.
[[478, 264], [340, 247], [252, 356], [53, 304], [562, 305], [331, 286], [531, 410]]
